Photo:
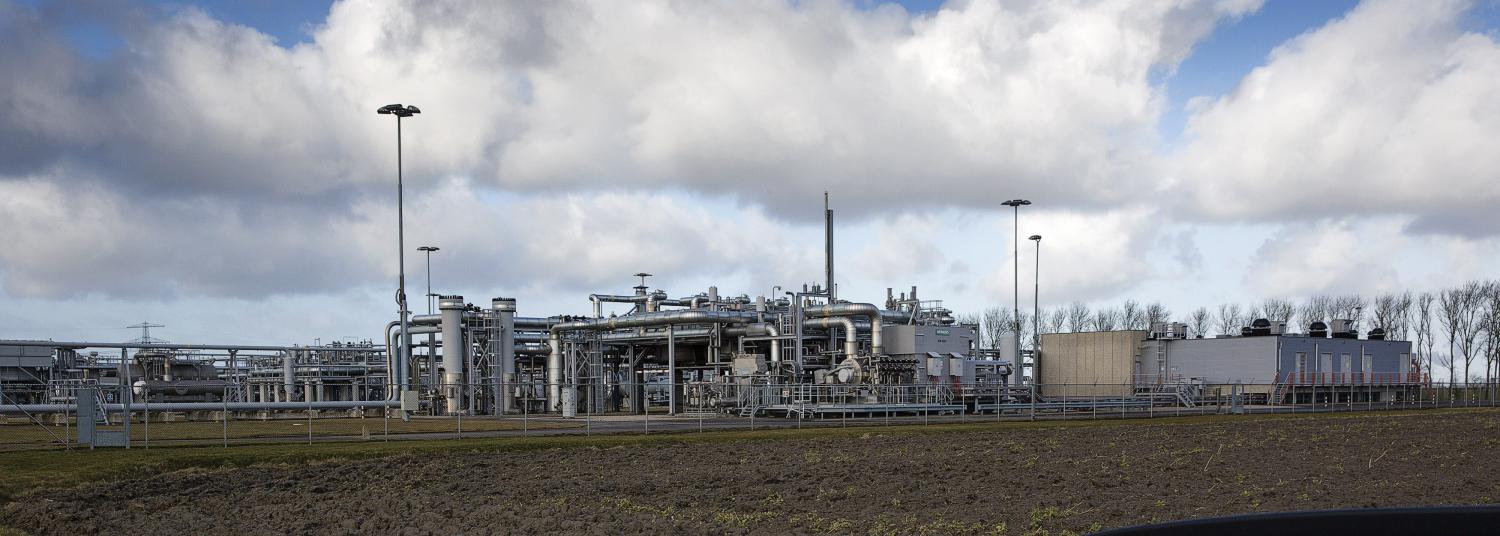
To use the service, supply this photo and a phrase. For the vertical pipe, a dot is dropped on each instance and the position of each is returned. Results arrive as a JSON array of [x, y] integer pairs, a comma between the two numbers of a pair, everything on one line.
[[507, 309], [126, 393], [828, 247], [455, 351], [554, 372], [288, 374], [671, 370]]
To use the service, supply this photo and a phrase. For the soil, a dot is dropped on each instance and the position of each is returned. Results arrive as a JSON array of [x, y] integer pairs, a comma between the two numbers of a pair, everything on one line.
[[1051, 479]]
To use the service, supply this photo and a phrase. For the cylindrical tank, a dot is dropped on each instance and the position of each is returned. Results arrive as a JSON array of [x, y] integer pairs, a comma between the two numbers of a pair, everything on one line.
[[455, 350], [506, 309]]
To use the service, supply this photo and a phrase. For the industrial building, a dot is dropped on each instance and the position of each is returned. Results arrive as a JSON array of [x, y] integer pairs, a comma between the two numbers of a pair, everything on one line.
[[804, 352], [1263, 362]]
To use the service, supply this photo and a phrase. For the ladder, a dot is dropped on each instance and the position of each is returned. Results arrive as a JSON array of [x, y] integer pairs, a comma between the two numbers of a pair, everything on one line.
[[788, 348]]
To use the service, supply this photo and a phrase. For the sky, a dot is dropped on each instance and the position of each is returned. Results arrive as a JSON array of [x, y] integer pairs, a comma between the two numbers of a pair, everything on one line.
[[219, 168]]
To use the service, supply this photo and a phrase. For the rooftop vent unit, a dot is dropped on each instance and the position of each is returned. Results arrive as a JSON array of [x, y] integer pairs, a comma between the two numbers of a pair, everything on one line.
[[1343, 328], [1169, 330], [1377, 334], [1318, 329], [1259, 328]]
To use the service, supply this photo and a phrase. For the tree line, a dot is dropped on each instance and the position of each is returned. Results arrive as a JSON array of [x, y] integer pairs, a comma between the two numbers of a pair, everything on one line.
[[1464, 318]]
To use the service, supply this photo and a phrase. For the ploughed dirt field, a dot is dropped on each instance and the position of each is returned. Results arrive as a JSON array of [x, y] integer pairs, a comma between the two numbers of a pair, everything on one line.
[[1001, 479]]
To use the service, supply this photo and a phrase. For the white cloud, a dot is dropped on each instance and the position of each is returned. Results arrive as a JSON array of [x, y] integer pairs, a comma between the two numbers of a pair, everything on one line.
[[203, 144], [1085, 256], [1394, 109], [1327, 257]]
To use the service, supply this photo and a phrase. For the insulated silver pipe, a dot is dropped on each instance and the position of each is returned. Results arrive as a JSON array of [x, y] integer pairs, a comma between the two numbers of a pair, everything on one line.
[[851, 336], [663, 318], [455, 351], [207, 406], [527, 322], [760, 329], [867, 310]]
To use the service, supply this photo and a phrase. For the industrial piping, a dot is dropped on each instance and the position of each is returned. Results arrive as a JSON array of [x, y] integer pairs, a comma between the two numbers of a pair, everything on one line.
[[867, 310], [666, 318], [761, 329], [851, 336], [205, 406], [455, 351]]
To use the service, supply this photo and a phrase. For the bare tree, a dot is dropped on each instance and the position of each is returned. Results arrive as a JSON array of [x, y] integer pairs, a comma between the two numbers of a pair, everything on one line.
[[1252, 313], [1200, 322], [1079, 318], [1470, 343], [1057, 320], [1278, 310], [1446, 361], [1350, 307], [1022, 319], [1156, 312], [996, 323], [1132, 316], [1403, 318], [976, 321], [1387, 311], [1489, 304], [1459, 315], [1229, 319], [1106, 319], [1425, 340], [1315, 309]]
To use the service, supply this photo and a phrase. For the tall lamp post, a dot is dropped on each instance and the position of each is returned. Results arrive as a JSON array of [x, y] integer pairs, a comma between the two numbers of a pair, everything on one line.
[[404, 351], [428, 250], [1036, 310], [1016, 205]]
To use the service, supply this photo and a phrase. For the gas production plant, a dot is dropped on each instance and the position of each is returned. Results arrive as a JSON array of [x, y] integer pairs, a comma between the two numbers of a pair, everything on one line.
[[799, 352], [704, 351]]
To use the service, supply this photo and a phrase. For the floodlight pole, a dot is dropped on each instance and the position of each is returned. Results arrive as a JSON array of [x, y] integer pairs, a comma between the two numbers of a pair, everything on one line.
[[1015, 205], [403, 353]]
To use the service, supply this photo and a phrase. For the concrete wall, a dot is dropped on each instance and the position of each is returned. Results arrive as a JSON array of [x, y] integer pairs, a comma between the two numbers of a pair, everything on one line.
[[1091, 364]]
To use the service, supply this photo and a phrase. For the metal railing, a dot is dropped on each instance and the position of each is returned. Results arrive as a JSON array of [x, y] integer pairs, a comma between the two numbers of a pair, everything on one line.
[[145, 419]]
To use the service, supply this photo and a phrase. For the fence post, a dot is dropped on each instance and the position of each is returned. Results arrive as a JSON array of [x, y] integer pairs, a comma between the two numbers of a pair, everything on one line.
[[67, 423], [1033, 396], [146, 411]]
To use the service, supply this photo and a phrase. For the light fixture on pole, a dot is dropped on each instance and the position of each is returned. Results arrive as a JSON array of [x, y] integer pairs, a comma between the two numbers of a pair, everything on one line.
[[1016, 205], [428, 250], [403, 352]]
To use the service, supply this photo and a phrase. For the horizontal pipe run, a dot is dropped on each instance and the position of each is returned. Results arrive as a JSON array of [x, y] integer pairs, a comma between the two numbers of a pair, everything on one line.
[[206, 406], [169, 346], [867, 310]]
